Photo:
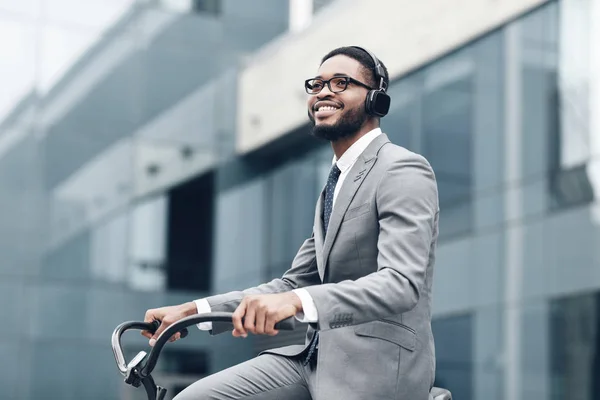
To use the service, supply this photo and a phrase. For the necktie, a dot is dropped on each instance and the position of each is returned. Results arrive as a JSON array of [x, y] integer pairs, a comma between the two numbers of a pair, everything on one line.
[[334, 175]]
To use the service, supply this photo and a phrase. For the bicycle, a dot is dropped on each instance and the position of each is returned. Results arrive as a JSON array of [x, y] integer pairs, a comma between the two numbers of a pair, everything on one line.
[[138, 371]]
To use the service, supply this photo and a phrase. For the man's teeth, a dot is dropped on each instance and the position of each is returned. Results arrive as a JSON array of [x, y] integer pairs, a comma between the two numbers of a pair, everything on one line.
[[327, 108]]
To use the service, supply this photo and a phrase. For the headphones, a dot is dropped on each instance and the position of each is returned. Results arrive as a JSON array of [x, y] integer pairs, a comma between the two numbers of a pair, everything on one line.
[[378, 101]]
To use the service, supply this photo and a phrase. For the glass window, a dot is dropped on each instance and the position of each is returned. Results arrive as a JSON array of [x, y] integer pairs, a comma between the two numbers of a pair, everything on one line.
[[488, 126], [147, 261], [304, 198], [190, 235], [11, 378], [22, 206], [446, 140], [241, 223], [279, 199], [574, 345], [403, 122], [69, 260], [538, 51], [292, 195], [451, 113], [454, 355], [554, 112], [571, 145]]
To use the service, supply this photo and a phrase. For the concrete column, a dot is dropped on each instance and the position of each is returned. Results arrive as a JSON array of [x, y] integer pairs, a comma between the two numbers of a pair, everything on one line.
[[512, 206]]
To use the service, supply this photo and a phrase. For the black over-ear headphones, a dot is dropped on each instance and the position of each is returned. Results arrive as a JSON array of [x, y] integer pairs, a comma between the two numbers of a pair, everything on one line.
[[378, 101]]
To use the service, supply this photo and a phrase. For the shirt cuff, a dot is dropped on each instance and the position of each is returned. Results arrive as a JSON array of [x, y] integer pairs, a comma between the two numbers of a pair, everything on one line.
[[203, 308], [309, 313]]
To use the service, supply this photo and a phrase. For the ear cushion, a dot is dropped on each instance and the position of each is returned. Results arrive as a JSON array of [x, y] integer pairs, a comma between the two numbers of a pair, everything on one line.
[[377, 103]]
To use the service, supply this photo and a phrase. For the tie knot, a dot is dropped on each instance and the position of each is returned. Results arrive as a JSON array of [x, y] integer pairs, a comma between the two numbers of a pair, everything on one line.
[[335, 172]]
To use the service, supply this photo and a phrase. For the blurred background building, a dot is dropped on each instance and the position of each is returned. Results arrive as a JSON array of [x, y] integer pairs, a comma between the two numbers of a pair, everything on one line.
[[156, 151]]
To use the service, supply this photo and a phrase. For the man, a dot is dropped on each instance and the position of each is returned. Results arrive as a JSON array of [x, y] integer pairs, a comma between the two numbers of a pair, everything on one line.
[[362, 280]]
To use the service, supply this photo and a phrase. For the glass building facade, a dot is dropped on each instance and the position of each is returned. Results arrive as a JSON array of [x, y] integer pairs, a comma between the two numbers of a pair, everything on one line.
[[121, 191], [106, 107]]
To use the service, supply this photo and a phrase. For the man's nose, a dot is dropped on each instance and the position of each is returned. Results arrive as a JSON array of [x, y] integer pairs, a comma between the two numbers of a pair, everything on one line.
[[325, 92]]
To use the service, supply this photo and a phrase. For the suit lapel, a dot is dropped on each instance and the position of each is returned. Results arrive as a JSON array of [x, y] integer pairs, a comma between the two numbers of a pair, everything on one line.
[[352, 182], [318, 231]]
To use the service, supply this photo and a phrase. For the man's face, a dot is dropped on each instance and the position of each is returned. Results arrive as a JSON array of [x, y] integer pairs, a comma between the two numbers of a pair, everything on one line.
[[339, 115]]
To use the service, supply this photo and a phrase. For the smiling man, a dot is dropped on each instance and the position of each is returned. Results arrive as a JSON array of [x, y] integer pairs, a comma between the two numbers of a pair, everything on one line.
[[362, 280], [342, 116]]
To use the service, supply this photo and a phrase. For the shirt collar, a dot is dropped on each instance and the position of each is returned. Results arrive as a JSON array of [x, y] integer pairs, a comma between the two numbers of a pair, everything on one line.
[[349, 157]]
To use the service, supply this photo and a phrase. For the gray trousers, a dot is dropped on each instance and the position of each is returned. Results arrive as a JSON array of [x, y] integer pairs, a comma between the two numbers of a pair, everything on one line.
[[266, 377]]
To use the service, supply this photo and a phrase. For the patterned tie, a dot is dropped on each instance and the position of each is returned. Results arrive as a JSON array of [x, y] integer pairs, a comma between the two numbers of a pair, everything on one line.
[[334, 175]]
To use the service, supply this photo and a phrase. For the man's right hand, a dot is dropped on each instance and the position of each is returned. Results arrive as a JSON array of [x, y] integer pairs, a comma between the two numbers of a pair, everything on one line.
[[168, 316]]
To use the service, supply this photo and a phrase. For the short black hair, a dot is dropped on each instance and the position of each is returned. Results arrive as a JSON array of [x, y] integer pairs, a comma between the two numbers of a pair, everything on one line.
[[364, 59]]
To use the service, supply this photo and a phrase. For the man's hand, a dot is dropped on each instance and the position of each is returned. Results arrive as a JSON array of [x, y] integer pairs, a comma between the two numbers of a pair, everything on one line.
[[261, 313], [168, 316]]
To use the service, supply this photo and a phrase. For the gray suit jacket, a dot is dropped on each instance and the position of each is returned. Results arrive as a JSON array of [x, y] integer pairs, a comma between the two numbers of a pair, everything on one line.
[[370, 279]]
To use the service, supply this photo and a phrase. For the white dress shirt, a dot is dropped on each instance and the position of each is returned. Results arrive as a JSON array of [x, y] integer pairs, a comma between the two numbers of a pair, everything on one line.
[[345, 163]]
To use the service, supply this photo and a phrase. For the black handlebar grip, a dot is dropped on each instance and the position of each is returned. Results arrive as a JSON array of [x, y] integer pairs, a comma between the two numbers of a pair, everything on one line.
[[156, 323], [287, 324]]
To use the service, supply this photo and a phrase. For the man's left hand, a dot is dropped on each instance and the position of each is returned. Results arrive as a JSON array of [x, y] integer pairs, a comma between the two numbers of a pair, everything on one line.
[[261, 312]]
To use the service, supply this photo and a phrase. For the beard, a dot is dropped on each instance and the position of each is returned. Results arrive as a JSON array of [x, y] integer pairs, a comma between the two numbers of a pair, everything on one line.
[[347, 125]]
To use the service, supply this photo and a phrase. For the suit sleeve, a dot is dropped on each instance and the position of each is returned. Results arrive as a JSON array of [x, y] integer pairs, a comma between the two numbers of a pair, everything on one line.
[[407, 207], [302, 273]]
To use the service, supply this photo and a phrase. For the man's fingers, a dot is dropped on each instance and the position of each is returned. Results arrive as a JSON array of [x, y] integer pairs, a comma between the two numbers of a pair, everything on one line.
[[278, 316], [158, 332], [150, 316], [175, 337], [146, 334], [235, 333], [270, 322], [238, 327], [249, 319], [166, 316], [261, 318]]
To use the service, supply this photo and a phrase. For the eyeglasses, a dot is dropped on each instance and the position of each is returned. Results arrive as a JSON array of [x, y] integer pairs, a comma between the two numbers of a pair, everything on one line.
[[336, 85]]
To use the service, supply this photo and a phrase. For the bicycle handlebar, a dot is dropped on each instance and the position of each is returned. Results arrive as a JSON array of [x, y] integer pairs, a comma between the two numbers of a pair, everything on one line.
[[179, 326]]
